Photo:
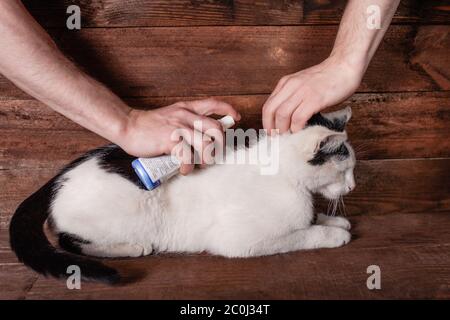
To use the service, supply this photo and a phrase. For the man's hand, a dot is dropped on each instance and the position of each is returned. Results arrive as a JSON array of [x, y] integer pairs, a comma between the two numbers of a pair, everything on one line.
[[150, 133], [30, 59], [300, 95]]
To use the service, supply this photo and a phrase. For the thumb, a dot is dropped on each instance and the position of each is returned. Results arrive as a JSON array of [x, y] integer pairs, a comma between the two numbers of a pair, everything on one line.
[[212, 106]]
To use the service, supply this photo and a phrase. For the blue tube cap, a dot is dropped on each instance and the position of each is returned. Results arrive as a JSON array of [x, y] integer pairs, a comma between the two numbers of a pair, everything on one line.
[[143, 175]]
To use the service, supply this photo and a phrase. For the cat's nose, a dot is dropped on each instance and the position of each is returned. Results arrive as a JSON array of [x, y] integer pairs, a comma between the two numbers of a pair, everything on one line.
[[350, 187]]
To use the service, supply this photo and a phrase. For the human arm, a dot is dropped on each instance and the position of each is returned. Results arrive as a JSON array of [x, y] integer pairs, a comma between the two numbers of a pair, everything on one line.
[[298, 96], [32, 61]]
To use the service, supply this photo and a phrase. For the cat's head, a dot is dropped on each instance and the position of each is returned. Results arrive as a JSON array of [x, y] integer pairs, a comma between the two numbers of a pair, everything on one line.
[[328, 156]]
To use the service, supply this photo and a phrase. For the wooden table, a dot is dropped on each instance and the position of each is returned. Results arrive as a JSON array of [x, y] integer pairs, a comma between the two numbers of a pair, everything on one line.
[[157, 52]]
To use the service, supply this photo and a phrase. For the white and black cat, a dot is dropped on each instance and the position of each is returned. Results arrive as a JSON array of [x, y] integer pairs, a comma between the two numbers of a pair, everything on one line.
[[98, 207]]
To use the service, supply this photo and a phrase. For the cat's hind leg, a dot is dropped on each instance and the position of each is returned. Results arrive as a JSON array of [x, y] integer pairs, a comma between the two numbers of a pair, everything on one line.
[[77, 245], [316, 236], [330, 221], [117, 250]]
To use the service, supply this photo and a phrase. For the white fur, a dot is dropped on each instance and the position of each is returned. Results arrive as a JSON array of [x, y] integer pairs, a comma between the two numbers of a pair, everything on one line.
[[229, 209]]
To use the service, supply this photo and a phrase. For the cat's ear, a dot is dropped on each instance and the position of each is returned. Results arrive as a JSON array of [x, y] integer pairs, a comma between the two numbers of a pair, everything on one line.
[[339, 118], [330, 141]]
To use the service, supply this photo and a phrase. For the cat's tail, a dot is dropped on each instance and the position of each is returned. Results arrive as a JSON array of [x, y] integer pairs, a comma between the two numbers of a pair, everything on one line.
[[29, 242]]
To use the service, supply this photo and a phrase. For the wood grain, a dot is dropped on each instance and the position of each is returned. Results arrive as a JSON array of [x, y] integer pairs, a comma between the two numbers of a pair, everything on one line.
[[17, 185], [411, 250], [45, 148], [399, 186], [154, 53], [16, 280], [414, 11], [430, 54], [384, 126], [383, 187], [196, 61], [115, 13]]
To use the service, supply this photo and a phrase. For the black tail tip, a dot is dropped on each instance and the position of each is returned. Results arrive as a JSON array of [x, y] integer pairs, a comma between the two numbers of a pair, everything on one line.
[[107, 276], [111, 279]]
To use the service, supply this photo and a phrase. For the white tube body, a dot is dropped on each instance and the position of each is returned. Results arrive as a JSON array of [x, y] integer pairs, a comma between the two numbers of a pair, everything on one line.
[[153, 171]]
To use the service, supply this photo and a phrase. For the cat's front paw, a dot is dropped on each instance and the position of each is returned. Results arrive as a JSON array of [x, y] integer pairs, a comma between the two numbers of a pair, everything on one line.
[[338, 222], [337, 237]]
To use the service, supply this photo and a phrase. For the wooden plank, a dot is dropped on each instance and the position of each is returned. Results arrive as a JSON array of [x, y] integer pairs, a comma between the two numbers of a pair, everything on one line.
[[16, 186], [383, 187], [413, 11], [44, 148], [195, 61], [115, 13], [400, 125], [7, 257], [16, 280], [431, 54], [409, 249]]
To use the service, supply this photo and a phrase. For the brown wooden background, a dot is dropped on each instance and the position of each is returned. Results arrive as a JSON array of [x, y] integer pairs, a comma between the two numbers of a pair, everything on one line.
[[153, 53]]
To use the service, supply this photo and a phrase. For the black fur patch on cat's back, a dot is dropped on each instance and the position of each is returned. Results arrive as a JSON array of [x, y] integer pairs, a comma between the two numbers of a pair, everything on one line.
[[320, 120], [114, 160], [111, 159]]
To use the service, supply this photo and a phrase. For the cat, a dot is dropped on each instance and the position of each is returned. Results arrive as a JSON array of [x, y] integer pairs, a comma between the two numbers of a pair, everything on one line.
[[98, 207]]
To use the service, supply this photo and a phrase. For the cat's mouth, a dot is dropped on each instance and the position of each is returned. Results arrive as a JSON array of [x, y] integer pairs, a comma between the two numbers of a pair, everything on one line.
[[334, 194]]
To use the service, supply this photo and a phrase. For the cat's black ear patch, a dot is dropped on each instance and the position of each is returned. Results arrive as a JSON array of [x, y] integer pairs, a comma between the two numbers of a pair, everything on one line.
[[339, 124], [318, 119], [323, 155]]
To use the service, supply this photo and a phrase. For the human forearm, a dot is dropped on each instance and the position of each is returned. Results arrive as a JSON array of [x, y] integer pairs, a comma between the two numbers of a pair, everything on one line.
[[30, 59], [298, 96], [356, 42]]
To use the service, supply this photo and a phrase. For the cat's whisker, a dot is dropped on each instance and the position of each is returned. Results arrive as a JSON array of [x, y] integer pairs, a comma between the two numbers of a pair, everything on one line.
[[335, 207], [333, 211], [339, 211], [328, 208], [343, 207]]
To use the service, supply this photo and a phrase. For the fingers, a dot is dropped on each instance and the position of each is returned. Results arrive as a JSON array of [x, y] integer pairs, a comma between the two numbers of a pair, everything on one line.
[[201, 135], [183, 152], [284, 112], [191, 128], [212, 106], [208, 126], [185, 169], [282, 92], [202, 145], [290, 106], [212, 128], [178, 148], [280, 85], [301, 116]]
